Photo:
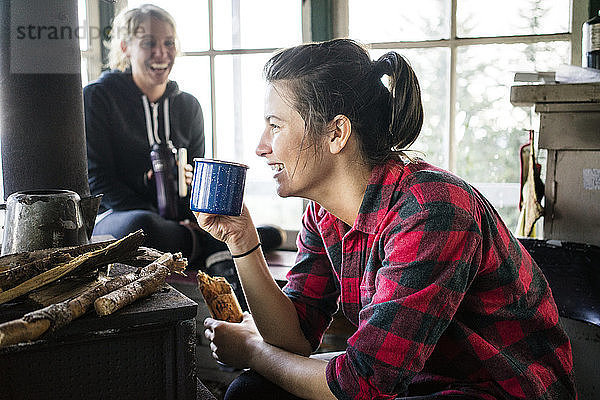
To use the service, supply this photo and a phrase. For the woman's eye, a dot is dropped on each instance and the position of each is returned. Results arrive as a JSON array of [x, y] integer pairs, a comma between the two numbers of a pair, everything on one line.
[[274, 128], [147, 44], [169, 43]]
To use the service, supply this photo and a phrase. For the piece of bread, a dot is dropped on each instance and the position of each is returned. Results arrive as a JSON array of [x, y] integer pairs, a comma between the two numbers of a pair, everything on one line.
[[219, 297]]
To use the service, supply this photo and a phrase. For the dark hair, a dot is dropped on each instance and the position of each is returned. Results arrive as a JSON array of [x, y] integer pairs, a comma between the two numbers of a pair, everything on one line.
[[338, 77]]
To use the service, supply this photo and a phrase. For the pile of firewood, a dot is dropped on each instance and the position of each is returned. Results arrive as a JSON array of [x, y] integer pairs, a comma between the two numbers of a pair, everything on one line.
[[22, 273]]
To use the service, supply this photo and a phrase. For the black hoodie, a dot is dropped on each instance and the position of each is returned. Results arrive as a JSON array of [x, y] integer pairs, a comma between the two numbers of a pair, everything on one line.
[[120, 127]]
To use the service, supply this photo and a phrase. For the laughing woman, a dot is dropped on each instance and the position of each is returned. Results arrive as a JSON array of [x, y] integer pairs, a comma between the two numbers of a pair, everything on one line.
[[446, 302], [129, 109]]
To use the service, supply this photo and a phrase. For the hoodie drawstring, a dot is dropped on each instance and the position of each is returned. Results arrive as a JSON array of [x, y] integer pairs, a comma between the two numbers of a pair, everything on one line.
[[148, 120], [155, 122], [152, 121], [167, 122]]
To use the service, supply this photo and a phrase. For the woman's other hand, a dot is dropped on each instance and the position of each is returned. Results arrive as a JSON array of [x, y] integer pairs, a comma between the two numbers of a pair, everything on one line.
[[149, 175], [232, 343], [189, 174]]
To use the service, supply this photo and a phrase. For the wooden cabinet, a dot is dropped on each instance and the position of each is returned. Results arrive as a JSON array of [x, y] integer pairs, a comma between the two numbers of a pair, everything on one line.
[[570, 131]]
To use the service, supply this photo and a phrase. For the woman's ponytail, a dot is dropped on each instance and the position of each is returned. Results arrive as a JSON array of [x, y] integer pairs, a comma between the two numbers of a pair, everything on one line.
[[406, 108]]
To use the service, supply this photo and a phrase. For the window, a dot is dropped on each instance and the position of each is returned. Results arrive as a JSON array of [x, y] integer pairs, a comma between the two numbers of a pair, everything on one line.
[[465, 53]]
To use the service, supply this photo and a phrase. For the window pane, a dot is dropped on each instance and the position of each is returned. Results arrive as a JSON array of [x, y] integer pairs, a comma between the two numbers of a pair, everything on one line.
[[432, 69], [191, 18], [512, 17], [239, 105], [510, 215], [398, 20], [84, 72], [2, 199], [193, 76], [240, 95], [83, 25], [489, 129], [254, 24]]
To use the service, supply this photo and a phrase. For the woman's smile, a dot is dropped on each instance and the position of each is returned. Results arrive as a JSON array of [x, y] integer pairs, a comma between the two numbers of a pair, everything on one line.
[[277, 168]]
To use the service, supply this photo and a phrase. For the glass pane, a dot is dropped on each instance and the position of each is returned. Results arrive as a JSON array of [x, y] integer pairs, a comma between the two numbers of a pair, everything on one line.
[[398, 20], [510, 216], [191, 18], [489, 129], [193, 76], [239, 107], [2, 199], [84, 72], [83, 25], [432, 69], [512, 17], [254, 24]]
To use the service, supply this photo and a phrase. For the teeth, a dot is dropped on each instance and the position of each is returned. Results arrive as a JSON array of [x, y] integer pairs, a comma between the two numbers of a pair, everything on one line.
[[159, 66], [277, 167]]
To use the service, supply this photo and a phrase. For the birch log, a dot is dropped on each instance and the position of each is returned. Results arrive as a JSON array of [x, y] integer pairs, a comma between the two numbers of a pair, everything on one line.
[[19, 330], [55, 316], [113, 252], [17, 268], [17, 260], [153, 277]]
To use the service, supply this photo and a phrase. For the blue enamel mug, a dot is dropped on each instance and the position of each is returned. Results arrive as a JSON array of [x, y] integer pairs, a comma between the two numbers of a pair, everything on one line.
[[218, 186]]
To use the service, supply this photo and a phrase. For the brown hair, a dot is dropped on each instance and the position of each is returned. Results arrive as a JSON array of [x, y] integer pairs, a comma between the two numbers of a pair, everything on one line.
[[338, 77]]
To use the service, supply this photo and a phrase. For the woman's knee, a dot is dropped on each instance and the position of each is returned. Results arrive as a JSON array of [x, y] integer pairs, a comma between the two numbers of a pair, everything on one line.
[[252, 386], [150, 222], [122, 223]]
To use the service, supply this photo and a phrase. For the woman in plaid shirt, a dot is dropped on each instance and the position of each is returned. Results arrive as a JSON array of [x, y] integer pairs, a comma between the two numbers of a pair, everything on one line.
[[446, 302]]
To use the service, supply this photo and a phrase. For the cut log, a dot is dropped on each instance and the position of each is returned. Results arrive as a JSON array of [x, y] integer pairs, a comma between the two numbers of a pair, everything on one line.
[[18, 331], [19, 267], [84, 263], [14, 260], [126, 295], [152, 278], [147, 255], [55, 316]]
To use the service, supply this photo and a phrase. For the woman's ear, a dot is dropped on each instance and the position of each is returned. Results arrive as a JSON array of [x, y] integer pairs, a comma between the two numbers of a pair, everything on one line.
[[124, 48], [340, 132]]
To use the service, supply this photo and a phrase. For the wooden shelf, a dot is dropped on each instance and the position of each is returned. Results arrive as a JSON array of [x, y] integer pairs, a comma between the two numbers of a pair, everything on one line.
[[527, 95]]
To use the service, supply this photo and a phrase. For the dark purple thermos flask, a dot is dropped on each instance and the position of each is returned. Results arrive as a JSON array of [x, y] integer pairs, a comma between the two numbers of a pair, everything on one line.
[[165, 175]]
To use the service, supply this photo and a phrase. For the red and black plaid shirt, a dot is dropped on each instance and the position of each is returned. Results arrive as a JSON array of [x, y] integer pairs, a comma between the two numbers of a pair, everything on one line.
[[444, 298]]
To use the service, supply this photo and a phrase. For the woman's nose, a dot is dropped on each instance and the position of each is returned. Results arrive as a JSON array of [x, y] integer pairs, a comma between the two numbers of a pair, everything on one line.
[[161, 50], [264, 144]]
